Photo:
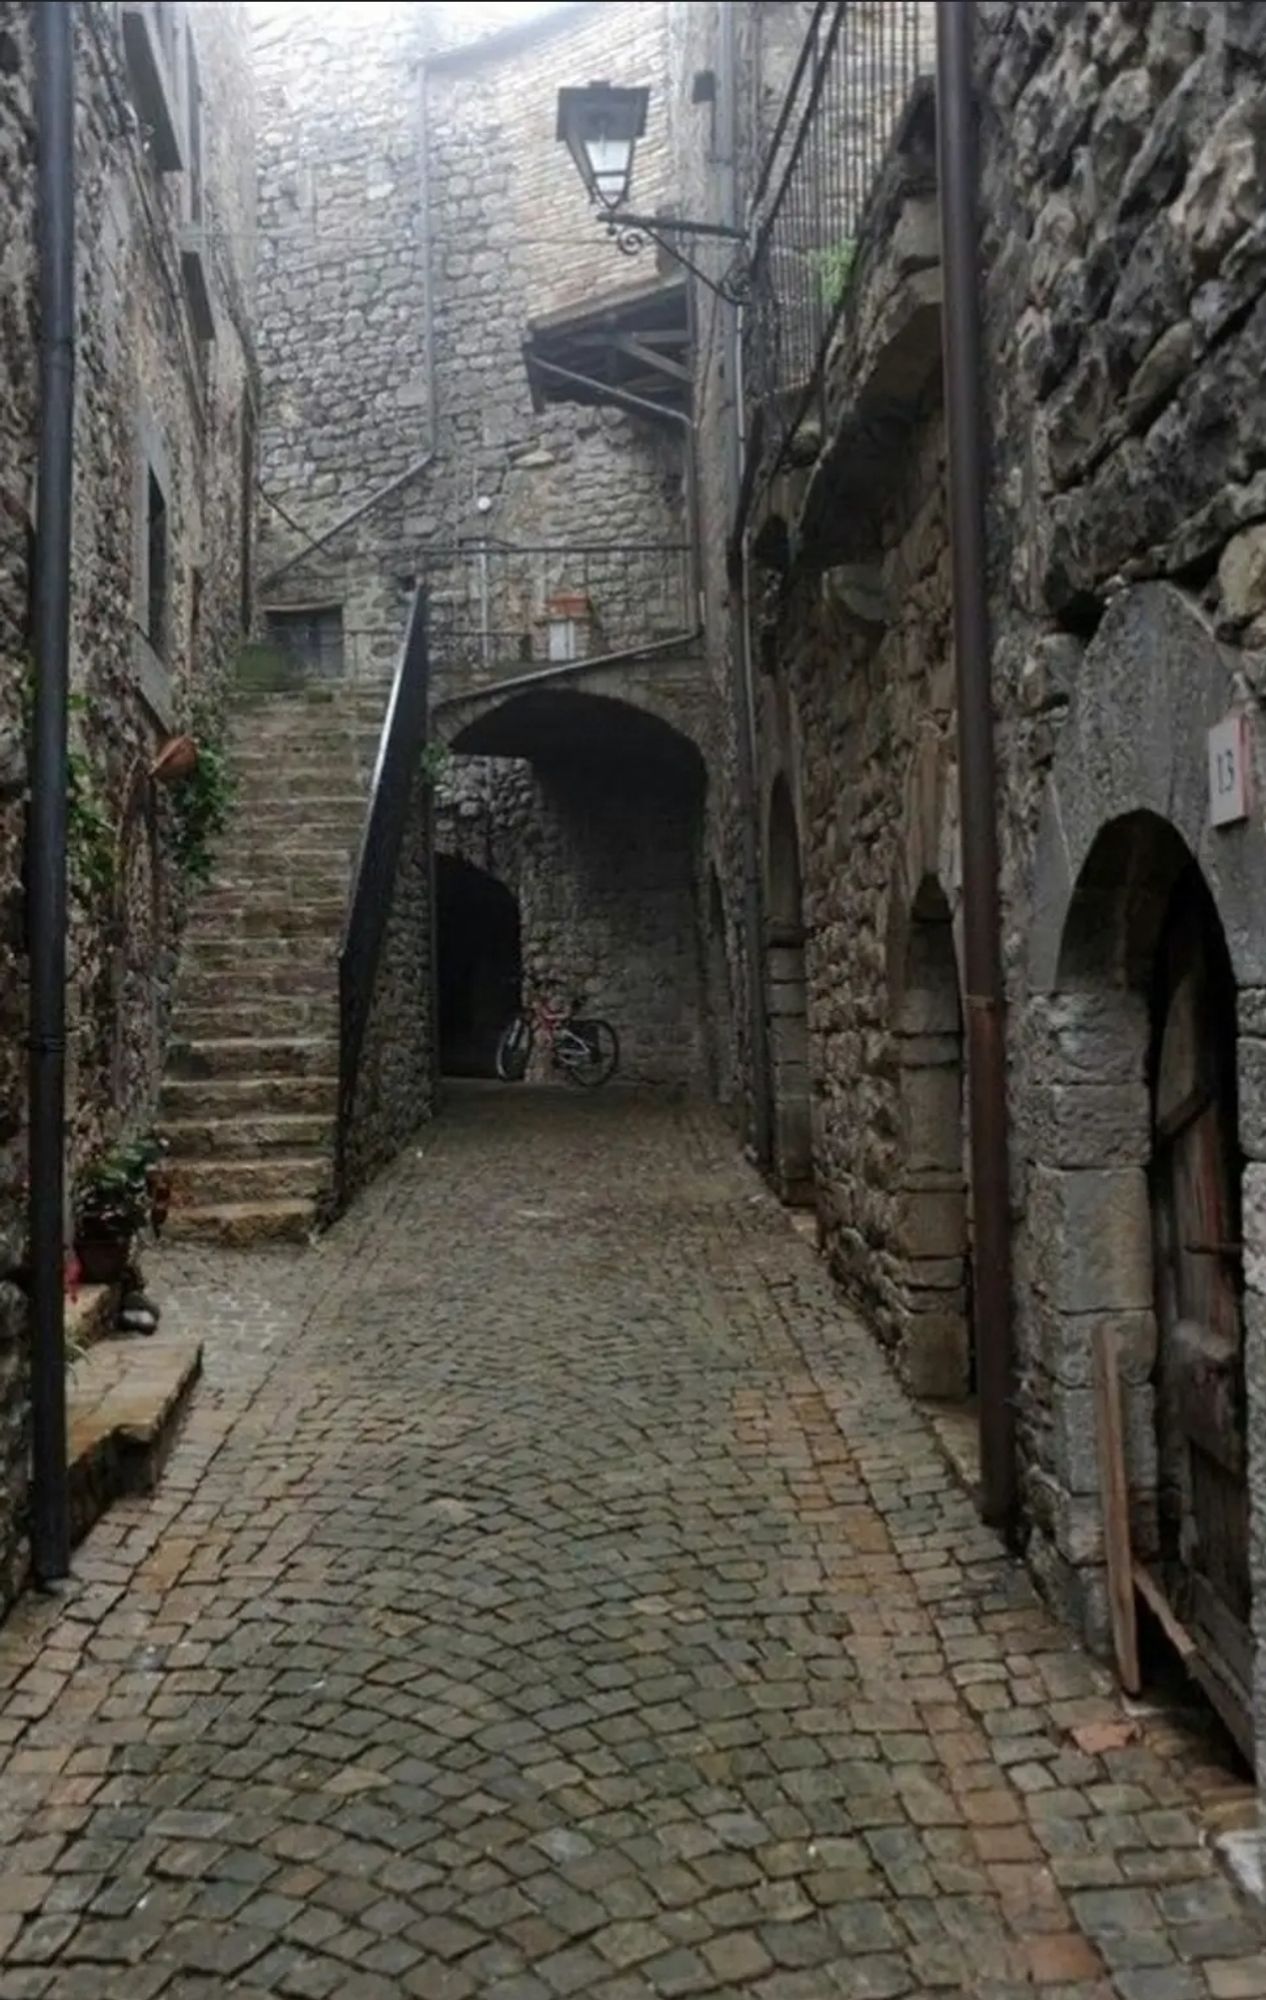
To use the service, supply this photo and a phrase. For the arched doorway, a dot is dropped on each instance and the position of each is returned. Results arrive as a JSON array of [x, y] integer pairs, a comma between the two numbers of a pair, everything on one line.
[[938, 1349], [786, 1002], [479, 964], [1138, 1229], [1194, 1175]]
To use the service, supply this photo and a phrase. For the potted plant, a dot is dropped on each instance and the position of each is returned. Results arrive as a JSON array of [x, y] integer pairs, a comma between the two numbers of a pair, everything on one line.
[[114, 1201]]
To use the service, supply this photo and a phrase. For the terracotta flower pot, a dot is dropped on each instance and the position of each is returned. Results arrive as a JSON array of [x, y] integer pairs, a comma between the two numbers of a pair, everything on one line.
[[175, 760], [103, 1259]]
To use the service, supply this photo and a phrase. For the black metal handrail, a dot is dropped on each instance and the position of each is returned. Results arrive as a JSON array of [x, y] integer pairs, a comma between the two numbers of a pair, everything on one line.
[[400, 747], [856, 69]]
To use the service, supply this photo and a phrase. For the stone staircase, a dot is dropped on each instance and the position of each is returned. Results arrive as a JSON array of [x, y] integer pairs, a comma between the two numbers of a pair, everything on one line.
[[251, 1082]]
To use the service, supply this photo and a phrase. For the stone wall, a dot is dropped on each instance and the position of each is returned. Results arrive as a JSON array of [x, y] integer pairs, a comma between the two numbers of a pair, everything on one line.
[[416, 212], [1123, 184], [395, 1088], [1123, 272], [150, 396]]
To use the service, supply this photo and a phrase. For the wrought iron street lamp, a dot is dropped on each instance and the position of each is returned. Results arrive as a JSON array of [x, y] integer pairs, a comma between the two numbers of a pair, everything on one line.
[[600, 124]]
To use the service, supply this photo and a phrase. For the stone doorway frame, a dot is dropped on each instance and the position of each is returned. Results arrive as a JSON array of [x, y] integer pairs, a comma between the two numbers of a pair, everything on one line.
[[936, 1340], [1126, 799]]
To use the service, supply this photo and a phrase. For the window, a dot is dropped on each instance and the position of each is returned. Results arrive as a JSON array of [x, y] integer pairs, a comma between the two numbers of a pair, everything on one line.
[[156, 565], [312, 639], [149, 42]]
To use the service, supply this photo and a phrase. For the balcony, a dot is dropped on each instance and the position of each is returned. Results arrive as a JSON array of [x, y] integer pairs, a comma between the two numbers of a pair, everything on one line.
[[501, 610], [857, 70]]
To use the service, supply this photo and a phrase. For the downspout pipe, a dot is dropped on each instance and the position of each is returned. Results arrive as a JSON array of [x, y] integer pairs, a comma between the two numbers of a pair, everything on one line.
[[957, 175], [46, 848], [742, 688]]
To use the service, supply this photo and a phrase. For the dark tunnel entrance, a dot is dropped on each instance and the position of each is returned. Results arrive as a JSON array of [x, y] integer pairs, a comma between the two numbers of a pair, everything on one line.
[[480, 964]]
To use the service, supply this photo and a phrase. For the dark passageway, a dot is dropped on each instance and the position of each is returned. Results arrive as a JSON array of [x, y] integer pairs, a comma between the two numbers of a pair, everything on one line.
[[480, 967]]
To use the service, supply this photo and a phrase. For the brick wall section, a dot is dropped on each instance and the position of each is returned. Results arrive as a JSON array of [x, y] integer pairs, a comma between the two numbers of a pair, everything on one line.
[[140, 379], [395, 1089]]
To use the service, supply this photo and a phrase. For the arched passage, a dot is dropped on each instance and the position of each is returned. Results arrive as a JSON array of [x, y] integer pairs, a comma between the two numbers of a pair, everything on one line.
[[937, 1345], [599, 826], [479, 964], [1137, 1227], [786, 1001]]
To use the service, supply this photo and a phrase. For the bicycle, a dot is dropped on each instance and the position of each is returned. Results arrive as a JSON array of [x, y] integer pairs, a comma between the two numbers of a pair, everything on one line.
[[585, 1051]]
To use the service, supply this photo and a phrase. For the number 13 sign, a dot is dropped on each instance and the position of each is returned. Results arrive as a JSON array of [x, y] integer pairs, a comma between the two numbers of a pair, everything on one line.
[[1230, 770]]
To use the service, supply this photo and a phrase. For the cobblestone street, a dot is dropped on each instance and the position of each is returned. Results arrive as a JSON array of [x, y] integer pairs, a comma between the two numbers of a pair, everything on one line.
[[552, 1593]]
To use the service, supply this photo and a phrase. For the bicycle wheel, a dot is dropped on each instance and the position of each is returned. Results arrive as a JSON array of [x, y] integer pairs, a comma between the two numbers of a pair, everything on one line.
[[514, 1049], [593, 1052]]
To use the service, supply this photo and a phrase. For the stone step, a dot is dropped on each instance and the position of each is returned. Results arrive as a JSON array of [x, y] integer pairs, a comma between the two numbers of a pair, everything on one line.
[[255, 1058], [275, 1014], [254, 980], [245, 861], [246, 1135], [220, 950], [208, 1182], [238, 1224], [335, 809], [269, 910], [221, 1096], [124, 1402]]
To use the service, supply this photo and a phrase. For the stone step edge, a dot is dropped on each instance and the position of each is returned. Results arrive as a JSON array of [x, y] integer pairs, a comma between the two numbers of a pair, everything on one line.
[[242, 1224], [120, 1437]]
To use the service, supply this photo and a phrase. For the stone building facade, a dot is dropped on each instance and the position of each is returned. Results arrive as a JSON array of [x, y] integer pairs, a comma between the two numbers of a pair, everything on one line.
[[1122, 273], [163, 467], [418, 221]]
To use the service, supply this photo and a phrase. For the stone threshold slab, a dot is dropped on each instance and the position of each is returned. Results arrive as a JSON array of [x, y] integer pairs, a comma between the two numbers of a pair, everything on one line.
[[125, 1398]]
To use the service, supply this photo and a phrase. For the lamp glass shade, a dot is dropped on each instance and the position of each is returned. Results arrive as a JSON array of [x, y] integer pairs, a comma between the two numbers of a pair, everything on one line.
[[600, 124]]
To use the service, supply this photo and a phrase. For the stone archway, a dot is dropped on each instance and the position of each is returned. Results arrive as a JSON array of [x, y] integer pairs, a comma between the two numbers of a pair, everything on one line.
[[1138, 1159], [937, 1348], [1125, 830], [479, 961], [786, 1001]]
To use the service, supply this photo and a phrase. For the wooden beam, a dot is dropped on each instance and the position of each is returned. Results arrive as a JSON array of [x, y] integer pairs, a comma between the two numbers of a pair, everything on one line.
[[624, 343], [1115, 1499]]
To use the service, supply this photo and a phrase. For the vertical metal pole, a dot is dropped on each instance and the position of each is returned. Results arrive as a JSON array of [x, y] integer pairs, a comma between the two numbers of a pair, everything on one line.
[[742, 692], [977, 782], [46, 857]]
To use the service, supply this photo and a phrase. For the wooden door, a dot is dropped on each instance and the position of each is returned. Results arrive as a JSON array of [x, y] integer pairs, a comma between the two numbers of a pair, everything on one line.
[[1200, 1390]]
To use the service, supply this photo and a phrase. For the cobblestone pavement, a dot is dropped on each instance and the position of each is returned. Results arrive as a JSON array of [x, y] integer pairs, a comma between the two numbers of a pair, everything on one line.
[[552, 1593]]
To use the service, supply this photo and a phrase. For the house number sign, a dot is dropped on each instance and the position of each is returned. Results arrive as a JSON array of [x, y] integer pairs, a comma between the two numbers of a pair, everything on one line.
[[1230, 769]]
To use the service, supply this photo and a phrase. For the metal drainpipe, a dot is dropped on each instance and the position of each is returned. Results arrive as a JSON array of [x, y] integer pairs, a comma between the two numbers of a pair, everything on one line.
[[46, 850], [743, 695], [957, 174]]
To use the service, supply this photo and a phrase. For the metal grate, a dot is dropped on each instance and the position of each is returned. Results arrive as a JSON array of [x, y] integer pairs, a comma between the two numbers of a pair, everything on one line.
[[499, 608], [855, 71]]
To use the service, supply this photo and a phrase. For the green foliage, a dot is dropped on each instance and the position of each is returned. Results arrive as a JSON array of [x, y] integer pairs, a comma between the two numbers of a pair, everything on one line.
[[200, 807], [89, 832], [436, 758], [113, 1196], [833, 268]]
